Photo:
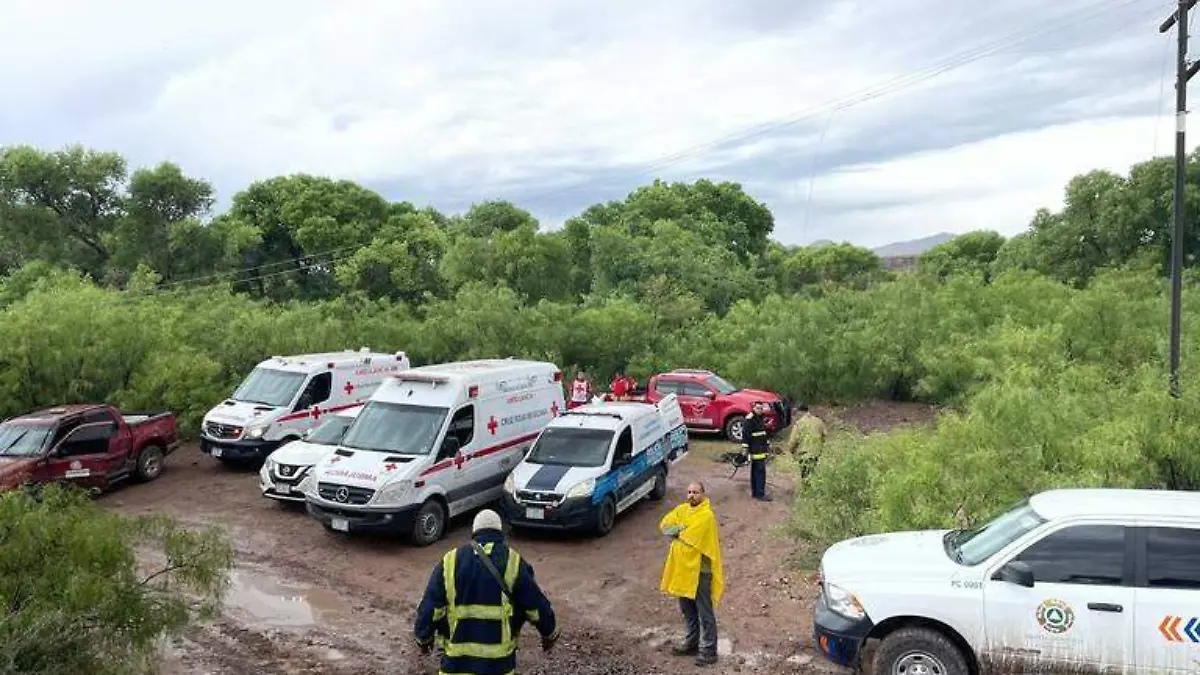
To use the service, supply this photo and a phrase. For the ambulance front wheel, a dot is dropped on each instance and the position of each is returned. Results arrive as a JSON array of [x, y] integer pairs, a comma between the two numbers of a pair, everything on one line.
[[429, 523], [606, 516]]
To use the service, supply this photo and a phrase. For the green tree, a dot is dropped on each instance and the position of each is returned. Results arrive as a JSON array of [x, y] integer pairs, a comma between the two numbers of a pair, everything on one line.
[[60, 206], [76, 599], [971, 253], [301, 223]]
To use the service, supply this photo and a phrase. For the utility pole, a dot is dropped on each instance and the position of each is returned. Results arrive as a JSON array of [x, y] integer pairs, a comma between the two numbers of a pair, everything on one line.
[[1183, 73]]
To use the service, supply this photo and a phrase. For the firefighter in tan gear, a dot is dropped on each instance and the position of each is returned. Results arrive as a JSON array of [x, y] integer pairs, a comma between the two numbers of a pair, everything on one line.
[[806, 440]]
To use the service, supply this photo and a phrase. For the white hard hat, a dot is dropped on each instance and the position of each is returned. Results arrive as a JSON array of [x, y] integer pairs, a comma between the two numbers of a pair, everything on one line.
[[487, 519]]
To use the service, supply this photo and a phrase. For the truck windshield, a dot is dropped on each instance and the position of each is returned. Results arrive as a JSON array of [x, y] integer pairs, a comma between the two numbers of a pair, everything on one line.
[[23, 440], [269, 387], [330, 432], [971, 547], [717, 382], [395, 428], [571, 447]]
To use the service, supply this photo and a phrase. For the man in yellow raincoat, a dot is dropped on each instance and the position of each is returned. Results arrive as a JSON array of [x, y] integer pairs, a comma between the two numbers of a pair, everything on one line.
[[693, 572]]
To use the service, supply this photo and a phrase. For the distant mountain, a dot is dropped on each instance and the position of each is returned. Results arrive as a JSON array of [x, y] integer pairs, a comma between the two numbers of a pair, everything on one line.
[[914, 247]]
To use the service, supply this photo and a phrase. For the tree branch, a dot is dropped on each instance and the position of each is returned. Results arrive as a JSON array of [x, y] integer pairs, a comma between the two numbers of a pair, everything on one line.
[[166, 570]]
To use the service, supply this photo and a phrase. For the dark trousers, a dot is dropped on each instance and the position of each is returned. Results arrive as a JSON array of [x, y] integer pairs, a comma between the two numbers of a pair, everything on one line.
[[758, 477], [699, 618]]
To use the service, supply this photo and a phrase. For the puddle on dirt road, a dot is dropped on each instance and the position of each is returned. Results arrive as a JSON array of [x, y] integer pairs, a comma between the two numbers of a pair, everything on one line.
[[281, 604]]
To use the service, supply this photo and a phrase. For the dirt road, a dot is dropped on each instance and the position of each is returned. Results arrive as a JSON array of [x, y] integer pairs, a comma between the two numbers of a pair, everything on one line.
[[305, 600]]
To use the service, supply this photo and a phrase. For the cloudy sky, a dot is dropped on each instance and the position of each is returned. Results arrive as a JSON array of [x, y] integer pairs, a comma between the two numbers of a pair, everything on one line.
[[854, 120]]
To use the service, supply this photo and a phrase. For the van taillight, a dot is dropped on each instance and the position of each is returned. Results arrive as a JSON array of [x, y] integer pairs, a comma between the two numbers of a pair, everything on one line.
[[558, 376]]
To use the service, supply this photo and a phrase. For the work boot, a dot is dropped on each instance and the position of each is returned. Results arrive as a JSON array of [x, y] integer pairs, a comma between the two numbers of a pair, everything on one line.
[[684, 650], [706, 659]]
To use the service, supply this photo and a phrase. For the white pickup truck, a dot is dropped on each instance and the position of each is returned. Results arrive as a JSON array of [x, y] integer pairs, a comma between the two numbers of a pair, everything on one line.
[[1088, 580]]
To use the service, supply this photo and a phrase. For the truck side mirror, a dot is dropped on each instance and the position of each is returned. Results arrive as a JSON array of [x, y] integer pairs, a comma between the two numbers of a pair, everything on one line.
[[1015, 572], [710, 395]]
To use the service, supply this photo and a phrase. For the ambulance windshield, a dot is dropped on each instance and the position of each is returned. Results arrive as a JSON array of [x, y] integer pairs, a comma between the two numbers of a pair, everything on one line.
[[395, 428], [269, 387], [571, 447]]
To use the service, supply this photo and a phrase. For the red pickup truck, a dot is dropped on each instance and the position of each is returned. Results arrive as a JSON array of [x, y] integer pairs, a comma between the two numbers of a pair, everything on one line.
[[710, 403], [92, 446]]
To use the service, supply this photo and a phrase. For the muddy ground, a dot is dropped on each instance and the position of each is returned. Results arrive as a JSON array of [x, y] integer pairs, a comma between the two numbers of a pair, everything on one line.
[[304, 600]]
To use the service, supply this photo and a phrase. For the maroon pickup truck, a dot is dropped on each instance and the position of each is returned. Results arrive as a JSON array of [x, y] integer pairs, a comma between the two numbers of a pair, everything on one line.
[[91, 446]]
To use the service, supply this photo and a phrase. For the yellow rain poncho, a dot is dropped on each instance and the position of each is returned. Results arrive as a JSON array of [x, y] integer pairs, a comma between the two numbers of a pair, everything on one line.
[[697, 537]]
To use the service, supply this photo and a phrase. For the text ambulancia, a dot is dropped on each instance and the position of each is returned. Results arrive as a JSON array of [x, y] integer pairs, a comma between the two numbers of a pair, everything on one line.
[[431, 443], [594, 462], [283, 397]]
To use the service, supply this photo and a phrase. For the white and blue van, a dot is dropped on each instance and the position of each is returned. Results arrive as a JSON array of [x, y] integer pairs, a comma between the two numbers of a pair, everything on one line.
[[593, 462]]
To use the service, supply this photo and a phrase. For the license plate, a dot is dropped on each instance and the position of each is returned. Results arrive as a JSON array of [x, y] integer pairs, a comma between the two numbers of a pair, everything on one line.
[[535, 514], [216, 452], [340, 524]]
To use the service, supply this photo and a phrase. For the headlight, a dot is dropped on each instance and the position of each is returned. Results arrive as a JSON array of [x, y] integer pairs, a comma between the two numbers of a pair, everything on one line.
[[257, 431], [582, 489], [307, 485], [510, 485], [843, 602], [395, 492]]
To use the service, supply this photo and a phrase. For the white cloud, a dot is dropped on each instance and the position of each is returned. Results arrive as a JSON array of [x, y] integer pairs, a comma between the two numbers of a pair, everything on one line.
[[490, 99], [995, 184]]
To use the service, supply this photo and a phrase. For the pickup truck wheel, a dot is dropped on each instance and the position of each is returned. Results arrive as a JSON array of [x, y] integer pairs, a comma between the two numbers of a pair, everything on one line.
[[918, 651], [735, 429], [429, 523], [606, 516], [660, 485], [150, 463]]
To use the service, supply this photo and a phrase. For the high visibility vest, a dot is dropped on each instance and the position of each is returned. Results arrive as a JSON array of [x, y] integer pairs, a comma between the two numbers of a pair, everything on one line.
[[459, 646]]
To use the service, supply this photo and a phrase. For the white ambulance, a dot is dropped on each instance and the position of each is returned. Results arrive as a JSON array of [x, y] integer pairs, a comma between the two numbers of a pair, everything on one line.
[[432, 443], [595, 461], [285, 396], [1073, 581], [280, 476]]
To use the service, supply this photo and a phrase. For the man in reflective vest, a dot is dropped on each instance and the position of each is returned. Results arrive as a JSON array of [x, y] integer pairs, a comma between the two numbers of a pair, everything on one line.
[[466, 611], [755, 443]]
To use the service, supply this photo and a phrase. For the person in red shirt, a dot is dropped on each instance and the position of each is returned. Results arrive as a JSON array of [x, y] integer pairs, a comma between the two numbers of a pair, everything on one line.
[[581, 390], [622, 386], [619, 387]]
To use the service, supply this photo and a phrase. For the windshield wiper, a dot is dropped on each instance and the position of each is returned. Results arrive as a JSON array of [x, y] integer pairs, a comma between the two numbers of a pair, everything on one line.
[[16, 440]]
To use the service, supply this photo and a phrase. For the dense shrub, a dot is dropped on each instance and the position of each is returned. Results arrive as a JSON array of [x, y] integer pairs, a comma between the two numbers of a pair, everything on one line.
[[76, 599]]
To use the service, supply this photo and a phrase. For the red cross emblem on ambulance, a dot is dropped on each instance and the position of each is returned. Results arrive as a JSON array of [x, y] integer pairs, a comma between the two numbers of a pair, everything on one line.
[[491, 425], [349, 388]]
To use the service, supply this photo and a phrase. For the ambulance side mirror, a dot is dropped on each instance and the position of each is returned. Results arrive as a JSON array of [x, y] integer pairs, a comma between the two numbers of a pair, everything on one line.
[[450, 447]]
